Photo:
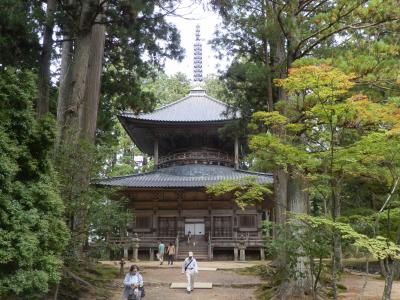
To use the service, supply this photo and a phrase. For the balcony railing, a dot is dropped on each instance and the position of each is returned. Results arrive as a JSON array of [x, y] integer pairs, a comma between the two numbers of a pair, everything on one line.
[[211, 157]]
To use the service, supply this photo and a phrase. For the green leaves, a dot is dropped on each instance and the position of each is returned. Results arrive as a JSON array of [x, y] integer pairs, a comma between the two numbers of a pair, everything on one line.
[[323, 81], [32, 231], [379, 247], [246, 192]]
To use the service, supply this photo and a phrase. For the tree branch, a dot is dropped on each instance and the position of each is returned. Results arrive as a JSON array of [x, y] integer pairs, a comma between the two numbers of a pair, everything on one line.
[[354, 27]]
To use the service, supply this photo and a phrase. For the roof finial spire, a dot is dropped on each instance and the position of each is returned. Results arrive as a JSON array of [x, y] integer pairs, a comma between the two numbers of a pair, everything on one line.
[[197, 57]]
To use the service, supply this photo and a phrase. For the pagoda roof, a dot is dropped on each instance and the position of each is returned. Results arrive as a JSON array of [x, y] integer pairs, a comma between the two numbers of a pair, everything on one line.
[[196, 107], [183, 176]]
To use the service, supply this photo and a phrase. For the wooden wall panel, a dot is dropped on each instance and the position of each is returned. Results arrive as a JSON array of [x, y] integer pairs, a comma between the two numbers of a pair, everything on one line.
[[167, 205], [195, 205], [144, 196], [195, 196], [221, 204], [141, 205], [169, 196]]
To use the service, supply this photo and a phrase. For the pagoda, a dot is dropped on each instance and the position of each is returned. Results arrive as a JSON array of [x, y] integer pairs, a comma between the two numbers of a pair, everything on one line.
[[189, 154]]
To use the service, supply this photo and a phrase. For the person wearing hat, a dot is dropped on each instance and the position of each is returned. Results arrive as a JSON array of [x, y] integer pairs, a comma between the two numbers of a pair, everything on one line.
[[189, 267]]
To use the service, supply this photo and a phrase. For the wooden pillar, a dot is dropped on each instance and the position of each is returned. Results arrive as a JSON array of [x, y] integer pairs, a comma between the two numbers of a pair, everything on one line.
[[235, 254], [242, 254], [236, 152], [151, 253], [135, 248], [156, 153], [262, 253]]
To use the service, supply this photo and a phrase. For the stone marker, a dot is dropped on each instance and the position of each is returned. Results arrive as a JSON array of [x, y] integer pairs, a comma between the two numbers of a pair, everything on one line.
[[207, 269], [197, 285]]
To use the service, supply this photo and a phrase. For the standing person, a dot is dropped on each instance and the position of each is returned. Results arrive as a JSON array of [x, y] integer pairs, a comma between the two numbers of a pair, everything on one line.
[[189, 267], [189, 237], [161, 250], [171, 253], [133, 284]]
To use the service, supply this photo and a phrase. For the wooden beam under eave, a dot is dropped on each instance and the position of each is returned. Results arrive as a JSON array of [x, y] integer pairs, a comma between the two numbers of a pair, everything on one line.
[[236, 153], [156, 153]]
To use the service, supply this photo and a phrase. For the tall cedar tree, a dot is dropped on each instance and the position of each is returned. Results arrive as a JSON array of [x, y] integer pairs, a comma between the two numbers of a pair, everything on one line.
[[133, 35]]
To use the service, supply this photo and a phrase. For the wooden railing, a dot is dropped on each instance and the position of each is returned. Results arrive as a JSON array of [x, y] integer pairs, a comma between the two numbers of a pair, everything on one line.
[[152, 241], [247, 240], [208, 156]]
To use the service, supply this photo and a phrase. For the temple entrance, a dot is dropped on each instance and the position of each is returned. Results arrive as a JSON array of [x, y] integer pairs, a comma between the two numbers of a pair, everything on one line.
[[195, 226], [195, 229]]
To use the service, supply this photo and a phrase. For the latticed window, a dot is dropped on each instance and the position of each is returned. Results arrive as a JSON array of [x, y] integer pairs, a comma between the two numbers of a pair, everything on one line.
[[247, 221], [167, 226], [143, 222], [222, 227]]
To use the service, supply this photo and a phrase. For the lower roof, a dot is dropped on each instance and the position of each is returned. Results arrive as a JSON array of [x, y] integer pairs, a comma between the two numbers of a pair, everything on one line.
[[193, 175]]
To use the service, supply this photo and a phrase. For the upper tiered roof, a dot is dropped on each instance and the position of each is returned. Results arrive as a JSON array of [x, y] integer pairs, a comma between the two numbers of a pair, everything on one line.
[[196, 107]]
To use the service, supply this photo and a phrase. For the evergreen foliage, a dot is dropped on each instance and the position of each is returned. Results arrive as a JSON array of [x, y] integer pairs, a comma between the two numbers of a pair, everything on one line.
[[32, 232]]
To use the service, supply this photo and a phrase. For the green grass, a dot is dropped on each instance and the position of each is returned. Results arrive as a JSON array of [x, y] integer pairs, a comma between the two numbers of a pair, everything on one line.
[[99, 276], [263, 271]]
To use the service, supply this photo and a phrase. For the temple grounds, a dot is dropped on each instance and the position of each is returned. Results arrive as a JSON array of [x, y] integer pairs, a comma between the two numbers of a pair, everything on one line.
[[228, 284]]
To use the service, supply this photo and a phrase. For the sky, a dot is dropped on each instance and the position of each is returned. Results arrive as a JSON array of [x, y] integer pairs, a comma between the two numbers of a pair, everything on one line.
[[190, 15]]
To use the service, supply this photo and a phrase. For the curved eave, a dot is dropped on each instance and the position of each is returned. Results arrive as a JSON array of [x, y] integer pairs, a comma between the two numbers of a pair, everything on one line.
[[167, 178], [141, 121], [146, 125]]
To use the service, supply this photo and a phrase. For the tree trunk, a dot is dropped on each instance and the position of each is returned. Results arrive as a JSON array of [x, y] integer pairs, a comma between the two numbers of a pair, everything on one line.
[[387, 269], [267, 61], [280, 195], [66, 59], [42, 105], [75, 86], [390, 269], [74, 157], [298, 203], [88, 111]]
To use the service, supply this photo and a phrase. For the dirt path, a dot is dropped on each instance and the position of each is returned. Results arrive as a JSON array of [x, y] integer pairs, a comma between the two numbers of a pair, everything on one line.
[[228, 285], [373, 289], [157, 282]]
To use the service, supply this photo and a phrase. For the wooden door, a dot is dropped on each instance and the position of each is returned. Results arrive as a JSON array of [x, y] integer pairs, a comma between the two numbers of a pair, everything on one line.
[[167, 226], [222, 226]]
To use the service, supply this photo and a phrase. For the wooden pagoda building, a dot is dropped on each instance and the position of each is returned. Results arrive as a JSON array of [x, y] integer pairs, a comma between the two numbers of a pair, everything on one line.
[[189, 154]]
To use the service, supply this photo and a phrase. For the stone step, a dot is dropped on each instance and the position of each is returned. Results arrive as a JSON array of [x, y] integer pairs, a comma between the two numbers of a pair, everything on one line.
[[197, 285], [195, 253], [193, 250], [198, 257]]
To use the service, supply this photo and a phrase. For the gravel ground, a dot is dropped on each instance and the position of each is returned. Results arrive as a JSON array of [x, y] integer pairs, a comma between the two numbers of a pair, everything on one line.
[[232, 286], [216, 293], [159, 279], [373, 289]]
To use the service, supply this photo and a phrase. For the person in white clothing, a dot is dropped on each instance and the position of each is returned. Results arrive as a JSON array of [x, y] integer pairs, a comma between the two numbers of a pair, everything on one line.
[[133, 284], [189, 267]]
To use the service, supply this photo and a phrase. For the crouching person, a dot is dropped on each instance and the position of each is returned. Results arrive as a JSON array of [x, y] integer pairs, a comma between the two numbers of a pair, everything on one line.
[[133, 284], [189, 267]]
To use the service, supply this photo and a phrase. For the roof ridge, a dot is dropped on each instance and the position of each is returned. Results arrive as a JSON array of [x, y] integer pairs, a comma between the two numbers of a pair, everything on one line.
[[253, 172], [216, 100], [184, 98], [124, 176], [170, 104], [157, 109]]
